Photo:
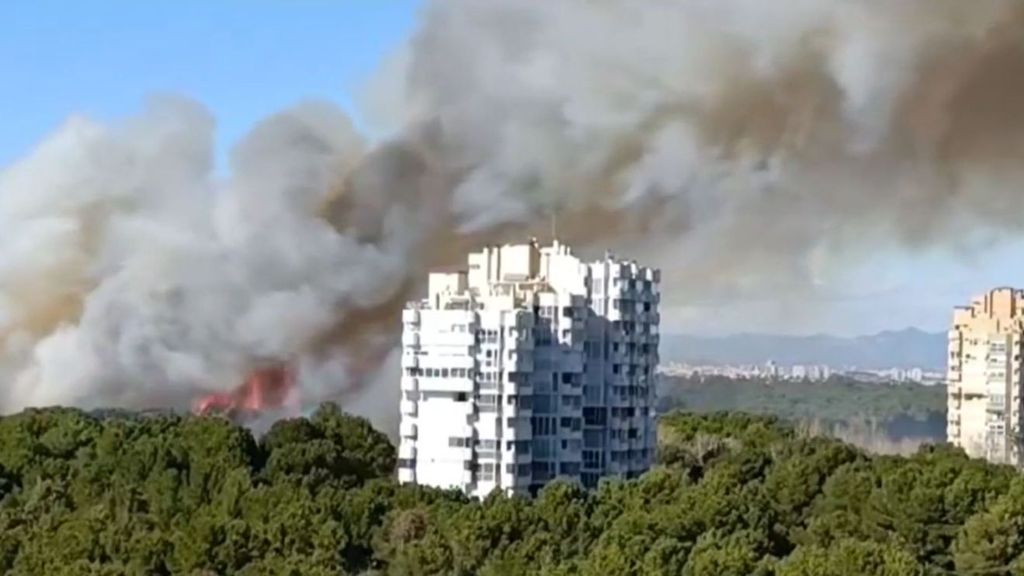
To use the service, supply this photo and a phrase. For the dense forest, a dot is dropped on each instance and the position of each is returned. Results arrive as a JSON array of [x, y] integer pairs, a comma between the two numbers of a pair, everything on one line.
[[735, 495], [882, 417]]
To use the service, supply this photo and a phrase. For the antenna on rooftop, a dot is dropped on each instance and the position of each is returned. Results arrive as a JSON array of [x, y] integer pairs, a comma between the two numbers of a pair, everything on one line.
[[554, 222]]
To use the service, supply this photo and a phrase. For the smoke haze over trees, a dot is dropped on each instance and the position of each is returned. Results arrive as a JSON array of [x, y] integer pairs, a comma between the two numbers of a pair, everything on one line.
[[736, 495], [906, 349], [757, 148], [879, 417]]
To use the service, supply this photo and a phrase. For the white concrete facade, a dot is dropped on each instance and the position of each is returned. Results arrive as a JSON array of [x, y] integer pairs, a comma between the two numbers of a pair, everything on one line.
[[529, 366]]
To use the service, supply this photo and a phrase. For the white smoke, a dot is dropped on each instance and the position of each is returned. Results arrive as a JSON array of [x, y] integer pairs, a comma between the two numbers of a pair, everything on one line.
[[131, 276], [755, 142]]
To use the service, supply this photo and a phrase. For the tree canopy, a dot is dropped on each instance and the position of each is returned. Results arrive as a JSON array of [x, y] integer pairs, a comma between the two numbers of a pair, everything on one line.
[[734, 494], [894, 417]]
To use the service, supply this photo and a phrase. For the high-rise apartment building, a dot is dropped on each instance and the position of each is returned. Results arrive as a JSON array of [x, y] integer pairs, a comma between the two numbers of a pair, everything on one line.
[[528, 366], [984, 376]]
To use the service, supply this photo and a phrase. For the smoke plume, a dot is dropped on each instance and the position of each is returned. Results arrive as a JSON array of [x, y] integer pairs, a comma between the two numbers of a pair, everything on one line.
[[747, 141]]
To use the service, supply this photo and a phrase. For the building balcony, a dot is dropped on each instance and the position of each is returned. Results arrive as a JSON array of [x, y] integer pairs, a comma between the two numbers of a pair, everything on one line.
[[407, 407], [520, 363], [488, 455], [407, 451], [410, 361], [514, 484], [510, 387], [454, 339], [411, 316], [410, 383], [407, 429], [440, 362], [447, 384], [572, 362], [570, 434], [406, 475], [620, 401], [517, 411], [520, 432], [410, 339]]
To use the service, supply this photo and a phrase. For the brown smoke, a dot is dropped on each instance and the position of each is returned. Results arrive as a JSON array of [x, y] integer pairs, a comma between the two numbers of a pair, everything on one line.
[[737, 143]]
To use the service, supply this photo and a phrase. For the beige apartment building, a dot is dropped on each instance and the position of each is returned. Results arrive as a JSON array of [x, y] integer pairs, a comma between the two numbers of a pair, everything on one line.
[[985, 386]]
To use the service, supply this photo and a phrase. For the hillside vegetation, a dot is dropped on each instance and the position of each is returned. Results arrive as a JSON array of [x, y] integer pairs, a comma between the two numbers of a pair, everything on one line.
[[736, 495], [871, 415]]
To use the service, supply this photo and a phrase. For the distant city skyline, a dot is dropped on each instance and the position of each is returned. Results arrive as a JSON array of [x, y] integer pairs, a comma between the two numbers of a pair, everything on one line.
[[246, 60]]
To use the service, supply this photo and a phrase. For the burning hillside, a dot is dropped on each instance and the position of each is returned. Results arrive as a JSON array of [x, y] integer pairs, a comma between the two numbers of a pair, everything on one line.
[[268, 389]]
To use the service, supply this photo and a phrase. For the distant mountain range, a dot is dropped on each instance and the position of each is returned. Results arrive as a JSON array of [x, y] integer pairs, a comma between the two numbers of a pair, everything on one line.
[[910, 348]]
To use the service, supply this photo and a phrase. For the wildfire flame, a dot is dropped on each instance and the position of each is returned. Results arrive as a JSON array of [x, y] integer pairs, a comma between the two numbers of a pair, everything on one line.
[[264, 389]]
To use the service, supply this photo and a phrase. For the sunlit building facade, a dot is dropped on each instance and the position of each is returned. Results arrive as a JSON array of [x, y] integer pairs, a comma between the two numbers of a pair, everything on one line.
[[986, 343], [528, 366]]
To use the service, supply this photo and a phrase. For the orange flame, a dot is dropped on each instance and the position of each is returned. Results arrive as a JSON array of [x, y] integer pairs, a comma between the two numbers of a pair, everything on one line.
[[265, 389]]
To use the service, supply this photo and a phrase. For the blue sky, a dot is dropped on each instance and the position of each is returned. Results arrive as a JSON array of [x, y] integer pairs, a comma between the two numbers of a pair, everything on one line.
[[245, 59]]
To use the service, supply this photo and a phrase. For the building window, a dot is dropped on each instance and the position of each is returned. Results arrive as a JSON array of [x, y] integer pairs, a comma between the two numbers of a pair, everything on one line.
[[520, 446], [542, 404], [460, 397], [406, 462], [456, 442], [487, 471], [569, 468], [571, 401], [574, 424]]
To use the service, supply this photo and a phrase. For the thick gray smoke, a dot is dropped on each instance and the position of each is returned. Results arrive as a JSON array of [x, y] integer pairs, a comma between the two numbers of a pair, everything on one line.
[[772, 136], [749, 141]]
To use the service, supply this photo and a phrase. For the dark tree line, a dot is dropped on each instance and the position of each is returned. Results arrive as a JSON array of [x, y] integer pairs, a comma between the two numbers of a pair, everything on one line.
[[837, 399], [735, 495], [895, 411]]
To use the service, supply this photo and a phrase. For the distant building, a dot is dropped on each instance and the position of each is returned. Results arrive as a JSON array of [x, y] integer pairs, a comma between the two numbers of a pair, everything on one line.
[[529, 366], [986, 342]]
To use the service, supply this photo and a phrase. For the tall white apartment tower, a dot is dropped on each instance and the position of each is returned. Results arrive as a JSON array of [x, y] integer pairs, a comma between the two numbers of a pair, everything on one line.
[[529, 366], [986, 346]]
